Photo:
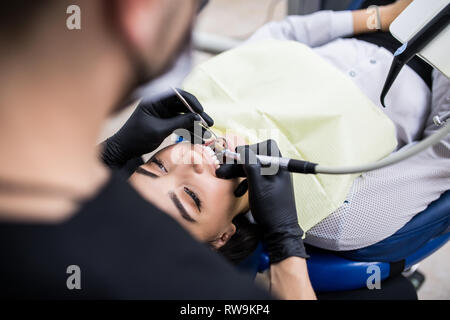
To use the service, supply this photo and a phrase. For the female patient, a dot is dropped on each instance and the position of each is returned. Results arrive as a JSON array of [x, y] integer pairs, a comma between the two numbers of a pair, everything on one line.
[[187, 188]]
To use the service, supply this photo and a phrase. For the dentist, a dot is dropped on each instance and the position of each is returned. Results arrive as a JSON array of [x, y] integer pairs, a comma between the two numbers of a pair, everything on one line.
[[71, 229]]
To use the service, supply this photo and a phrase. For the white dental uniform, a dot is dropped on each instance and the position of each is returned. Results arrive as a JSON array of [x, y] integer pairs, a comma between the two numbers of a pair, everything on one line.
[[382, 201]]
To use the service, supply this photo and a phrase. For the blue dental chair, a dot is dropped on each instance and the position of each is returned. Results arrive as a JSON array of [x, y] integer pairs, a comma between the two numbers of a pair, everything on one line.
[[348, 270]]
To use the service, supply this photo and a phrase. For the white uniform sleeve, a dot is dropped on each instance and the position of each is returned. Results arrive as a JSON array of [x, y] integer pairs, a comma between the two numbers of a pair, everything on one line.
[[383, 201], [313, 30]]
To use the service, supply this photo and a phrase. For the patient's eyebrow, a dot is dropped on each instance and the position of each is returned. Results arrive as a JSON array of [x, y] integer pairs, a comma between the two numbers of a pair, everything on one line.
[[176, 201], [146, 173]]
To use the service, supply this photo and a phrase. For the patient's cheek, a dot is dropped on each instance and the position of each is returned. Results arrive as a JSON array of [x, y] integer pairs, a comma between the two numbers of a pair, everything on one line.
[[233, 205]]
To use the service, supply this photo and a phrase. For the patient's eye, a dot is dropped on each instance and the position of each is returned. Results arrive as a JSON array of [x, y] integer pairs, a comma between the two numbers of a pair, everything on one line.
[[159, 164], [194, 197]]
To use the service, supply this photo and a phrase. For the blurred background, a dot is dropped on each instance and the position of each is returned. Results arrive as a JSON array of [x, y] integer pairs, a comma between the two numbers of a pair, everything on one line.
[[236, 20]]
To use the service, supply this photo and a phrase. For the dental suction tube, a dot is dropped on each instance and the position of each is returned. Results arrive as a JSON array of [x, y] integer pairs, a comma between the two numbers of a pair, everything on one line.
[[392, 159], [300, 166]]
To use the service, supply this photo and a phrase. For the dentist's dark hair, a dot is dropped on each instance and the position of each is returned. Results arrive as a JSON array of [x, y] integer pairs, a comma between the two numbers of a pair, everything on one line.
[[244, 242], [18, 16]]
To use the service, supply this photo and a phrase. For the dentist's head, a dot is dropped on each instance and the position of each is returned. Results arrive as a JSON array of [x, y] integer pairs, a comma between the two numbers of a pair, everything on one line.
[[66, 65], [128, 42]]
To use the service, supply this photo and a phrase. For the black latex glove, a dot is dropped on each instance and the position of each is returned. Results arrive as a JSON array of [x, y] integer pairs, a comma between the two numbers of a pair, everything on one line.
[[149, 125], [272, 201]]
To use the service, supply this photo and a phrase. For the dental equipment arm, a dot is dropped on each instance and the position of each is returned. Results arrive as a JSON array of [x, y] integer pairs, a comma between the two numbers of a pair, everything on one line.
[[299, 166], [408, 50]]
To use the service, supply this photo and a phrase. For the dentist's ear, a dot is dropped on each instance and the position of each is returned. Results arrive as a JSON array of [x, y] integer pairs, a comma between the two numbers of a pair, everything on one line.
[[224, 237], [137, 21]]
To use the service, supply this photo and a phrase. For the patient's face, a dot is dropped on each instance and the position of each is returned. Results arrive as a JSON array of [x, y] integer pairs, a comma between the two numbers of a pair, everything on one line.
[[181, 181]]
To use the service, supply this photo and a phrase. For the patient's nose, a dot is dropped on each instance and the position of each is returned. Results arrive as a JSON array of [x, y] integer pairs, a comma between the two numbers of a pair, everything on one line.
[[198, 168], [196, 161]]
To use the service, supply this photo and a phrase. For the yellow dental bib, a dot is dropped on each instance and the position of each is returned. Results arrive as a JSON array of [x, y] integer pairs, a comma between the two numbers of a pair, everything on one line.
[[283, 90]]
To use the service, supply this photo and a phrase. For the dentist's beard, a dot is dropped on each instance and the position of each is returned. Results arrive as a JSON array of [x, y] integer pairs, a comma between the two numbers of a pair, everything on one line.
[[148, 83], [160, 87]]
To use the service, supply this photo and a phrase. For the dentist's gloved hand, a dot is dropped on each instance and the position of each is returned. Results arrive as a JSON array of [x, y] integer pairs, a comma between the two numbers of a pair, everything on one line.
[[149, 125], [272, 201]]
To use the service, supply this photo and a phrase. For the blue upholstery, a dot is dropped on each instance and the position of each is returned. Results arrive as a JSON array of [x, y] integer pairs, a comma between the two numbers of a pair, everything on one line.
[[258, 261], [428, 224], [331, 271], [355, 4]]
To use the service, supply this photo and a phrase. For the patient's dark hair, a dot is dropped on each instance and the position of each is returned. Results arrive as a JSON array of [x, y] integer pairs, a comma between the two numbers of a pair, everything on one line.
[[244, 242]]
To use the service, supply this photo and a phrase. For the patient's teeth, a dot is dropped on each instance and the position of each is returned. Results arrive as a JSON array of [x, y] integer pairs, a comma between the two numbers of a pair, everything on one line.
[[213, 155], [210, 151]]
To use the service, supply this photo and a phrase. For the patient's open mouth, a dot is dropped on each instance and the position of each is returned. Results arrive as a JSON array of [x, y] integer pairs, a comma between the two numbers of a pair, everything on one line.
[[218, 146], [210, 153]]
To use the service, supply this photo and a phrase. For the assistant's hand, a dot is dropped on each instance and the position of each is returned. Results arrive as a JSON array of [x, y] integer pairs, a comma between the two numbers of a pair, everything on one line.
[[272, 201], [149, 125]]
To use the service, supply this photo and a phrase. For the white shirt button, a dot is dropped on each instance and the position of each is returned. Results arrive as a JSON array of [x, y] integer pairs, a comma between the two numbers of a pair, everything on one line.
[[352, 73], [373, 61]]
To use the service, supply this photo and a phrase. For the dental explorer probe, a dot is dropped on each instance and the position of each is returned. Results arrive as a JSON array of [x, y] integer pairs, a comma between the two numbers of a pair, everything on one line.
[[187, 105], [300, 166], [183, 100]]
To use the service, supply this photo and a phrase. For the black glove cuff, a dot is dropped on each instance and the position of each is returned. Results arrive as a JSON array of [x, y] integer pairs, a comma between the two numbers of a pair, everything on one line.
[[285, 244]]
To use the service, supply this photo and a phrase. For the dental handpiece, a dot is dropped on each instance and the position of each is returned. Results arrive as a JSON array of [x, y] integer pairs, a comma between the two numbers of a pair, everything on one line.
[[300, 166], [291, 165]]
